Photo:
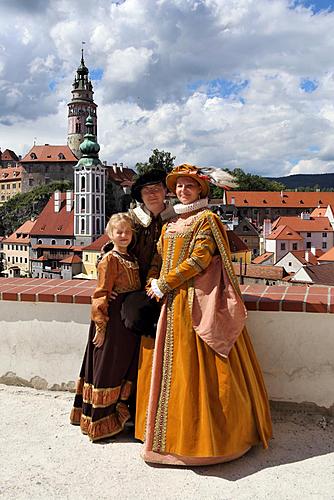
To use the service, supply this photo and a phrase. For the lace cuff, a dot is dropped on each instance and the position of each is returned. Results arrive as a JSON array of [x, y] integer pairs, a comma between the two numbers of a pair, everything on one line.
[[156, 289]]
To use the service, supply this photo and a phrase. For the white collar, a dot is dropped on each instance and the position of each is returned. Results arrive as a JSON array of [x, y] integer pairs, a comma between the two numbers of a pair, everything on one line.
[[191, 207], [145, 217]]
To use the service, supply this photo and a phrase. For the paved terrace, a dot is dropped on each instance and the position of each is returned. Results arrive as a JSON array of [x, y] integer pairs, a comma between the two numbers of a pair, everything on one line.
[[43, 456]]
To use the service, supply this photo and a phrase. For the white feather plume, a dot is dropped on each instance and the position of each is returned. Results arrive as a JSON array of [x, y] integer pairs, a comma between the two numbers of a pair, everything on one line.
[[219, 177]]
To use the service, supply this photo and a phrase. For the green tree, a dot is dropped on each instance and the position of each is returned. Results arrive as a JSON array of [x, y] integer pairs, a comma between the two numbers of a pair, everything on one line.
[[25, 206], [252, 182], [162, 160]]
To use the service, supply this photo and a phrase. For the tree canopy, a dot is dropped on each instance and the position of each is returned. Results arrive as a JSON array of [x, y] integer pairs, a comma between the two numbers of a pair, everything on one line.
[[252, 182], [25, 206], [162, 160]]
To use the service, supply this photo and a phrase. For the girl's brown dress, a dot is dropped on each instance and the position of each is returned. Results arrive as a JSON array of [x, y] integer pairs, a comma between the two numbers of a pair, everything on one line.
[[108, 373], [203, 407]]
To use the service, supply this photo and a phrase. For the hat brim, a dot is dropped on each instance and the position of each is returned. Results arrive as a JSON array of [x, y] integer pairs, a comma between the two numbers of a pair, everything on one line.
[[173, 176]]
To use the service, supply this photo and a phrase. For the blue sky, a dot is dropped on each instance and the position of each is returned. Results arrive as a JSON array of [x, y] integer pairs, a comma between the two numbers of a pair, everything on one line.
[[247, 83]]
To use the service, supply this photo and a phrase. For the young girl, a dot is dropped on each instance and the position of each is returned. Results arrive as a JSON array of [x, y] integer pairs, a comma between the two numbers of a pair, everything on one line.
[[109, 366]]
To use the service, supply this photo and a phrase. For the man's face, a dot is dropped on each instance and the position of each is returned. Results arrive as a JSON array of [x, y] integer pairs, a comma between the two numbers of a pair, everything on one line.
[[153, 196]]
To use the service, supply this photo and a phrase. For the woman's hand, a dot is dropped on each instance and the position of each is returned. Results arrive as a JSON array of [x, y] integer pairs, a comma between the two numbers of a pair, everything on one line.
[[99, 337], [150, 293]]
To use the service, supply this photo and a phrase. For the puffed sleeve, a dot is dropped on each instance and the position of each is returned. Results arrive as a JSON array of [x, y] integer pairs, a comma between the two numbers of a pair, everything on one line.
[[106, 275], [204, 247]]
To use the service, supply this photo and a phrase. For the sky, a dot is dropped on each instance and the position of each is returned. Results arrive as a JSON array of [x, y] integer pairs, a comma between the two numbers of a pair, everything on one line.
[[227, 83]]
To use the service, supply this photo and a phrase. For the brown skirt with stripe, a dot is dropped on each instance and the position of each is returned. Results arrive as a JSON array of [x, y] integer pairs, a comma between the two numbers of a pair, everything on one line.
[[107, 379]]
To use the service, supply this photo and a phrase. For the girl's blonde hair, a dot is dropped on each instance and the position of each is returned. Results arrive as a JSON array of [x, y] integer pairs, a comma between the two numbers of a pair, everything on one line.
[[116, 219]]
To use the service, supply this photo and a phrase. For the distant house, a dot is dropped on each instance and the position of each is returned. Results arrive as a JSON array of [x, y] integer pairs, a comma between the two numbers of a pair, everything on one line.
[[315, 275], [90, 255], [10, 183], [8, 158], [294, 260], [248, 233], [44, 164], [299, 233], [54, 253], [16, 250], [265, 259], [260, 205], [239, 250]]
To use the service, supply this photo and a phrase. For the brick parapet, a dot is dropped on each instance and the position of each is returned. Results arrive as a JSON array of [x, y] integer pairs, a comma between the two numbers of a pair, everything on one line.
[[303, 298]]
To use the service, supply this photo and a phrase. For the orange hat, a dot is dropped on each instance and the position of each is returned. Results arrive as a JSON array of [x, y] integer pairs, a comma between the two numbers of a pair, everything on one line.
[[188, 171]]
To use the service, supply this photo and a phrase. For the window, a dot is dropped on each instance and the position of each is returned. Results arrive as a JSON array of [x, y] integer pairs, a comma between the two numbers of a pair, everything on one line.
[[86, 257], [39, 242], [97, 184], [8, 186], [289, 264], [53, 242], [31, 181], [308, 244], [98, 226], [82, 204], [282, 246], [308, 235], [67, 242], [294, 246], [324, 235], [98, 205], [324, 244], [25, 260], [83, 183], [82, 225], [2, 186], [78, 127], [14, 185], [21, 260]]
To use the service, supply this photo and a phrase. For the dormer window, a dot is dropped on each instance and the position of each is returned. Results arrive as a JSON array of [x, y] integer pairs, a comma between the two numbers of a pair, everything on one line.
[[39, 242], [61, 156], [53, 242], [33, 156]]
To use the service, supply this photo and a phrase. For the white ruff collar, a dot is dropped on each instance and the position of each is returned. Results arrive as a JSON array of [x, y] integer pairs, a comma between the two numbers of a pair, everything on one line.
[[191, 207]]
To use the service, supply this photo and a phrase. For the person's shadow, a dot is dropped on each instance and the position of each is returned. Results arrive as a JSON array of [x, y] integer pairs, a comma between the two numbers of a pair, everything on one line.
[[297, 437]]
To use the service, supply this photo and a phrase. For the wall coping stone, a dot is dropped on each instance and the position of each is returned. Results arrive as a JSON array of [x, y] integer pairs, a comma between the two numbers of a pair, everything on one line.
[[301, 298]]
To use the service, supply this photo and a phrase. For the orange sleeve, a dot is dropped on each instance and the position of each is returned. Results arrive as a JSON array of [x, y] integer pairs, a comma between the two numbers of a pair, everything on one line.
[[106, 276]]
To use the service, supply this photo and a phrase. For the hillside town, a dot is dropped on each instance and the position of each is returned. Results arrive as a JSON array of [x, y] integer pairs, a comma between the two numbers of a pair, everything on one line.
[[284, 237]]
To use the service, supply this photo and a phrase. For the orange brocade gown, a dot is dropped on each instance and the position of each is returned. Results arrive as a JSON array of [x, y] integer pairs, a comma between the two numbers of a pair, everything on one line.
[[203, 408]]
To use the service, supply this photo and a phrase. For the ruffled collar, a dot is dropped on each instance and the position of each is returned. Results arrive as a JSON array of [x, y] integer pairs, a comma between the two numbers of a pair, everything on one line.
[[191, 207]]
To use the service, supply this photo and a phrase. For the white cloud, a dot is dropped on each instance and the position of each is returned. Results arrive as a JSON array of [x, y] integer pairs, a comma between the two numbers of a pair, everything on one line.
[[172, 79]]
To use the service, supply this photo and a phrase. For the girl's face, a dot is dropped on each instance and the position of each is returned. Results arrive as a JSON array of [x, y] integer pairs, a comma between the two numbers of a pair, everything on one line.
[[187, 190], [121, 235]]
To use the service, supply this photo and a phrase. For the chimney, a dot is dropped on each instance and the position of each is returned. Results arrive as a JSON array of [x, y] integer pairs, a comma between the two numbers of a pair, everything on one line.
[[305, 216], [69, 200], [307, 256], [232, 200], [266, 228], [57, 200], [282, 194]]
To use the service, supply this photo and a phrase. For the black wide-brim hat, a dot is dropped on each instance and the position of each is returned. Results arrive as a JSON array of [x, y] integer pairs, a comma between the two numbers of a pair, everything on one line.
[[154, 176]]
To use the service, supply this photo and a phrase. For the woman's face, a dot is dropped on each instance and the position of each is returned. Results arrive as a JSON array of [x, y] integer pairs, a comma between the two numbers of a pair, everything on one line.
[[187, 190]]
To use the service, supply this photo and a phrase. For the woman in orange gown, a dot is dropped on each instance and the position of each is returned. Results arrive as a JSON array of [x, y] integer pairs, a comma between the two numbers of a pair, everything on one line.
[[208, 403]]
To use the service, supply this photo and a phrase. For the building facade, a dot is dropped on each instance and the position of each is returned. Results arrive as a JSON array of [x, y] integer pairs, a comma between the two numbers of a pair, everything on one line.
[[10, 182]]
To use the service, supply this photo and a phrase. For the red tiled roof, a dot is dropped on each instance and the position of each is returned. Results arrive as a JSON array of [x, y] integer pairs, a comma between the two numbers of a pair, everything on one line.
[[304, 225], [288, 199], [10, 174], [327, 256], [284, 232], [319, 212], [301, 254], [54, 223], [49, 153], [72, 259], [8, 155], [256, 271], [123, 176], [98, 243], [236, 244], [322, 274], [262, 258], [26, 229]]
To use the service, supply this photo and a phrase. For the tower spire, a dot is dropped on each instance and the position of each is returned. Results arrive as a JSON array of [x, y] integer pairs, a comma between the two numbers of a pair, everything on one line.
[[81, 106]]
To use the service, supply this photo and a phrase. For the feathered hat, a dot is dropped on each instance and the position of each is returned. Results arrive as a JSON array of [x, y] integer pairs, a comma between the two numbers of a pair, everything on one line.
[[203, 176]]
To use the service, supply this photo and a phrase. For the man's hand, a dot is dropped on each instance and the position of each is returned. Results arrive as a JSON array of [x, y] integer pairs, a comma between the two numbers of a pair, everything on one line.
[[99, 337], [113, 295]]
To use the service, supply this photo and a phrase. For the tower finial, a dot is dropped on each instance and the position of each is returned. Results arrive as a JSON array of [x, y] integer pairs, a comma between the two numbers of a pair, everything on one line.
[[82, 53]]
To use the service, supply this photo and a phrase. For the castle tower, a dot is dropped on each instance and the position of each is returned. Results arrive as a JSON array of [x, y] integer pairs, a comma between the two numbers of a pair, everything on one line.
[[81, 106], [89, 190]]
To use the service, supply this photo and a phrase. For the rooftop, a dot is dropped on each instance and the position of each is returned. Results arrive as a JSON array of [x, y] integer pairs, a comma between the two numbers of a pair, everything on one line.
[[10, 174], [51, 223], [49, 153], [284, 232], [285, 199], [46, 457], [304, 225]]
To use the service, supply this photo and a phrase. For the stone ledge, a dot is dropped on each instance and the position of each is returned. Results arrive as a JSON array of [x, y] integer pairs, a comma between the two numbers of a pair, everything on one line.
[[303, 298]]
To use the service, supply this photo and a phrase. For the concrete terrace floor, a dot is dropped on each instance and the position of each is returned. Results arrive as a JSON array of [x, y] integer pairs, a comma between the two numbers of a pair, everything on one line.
[[43, 456]]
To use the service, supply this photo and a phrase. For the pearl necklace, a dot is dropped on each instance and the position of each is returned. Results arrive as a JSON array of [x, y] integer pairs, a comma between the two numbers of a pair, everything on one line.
[[191, 207]]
